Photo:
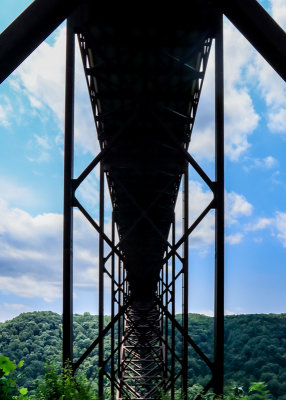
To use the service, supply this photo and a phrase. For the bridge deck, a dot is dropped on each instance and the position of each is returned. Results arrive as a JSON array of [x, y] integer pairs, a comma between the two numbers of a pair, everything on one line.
[[144, 76]]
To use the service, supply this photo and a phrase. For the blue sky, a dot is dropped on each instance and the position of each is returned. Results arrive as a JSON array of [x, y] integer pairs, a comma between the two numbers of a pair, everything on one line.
[[31, 180]]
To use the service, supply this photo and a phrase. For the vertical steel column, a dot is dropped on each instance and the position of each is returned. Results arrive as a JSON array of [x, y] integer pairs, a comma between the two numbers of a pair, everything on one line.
[[112, 307], [173, 309], [166, 324], [185, 316], [101, 285], [219, 214], [161, 296], [119, 336], [68, 200]]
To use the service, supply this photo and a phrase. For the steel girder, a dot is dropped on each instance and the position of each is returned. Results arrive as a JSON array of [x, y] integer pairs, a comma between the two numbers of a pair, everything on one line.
[[30, 29], [23, 36], [16, 43], [143, 356], [259, 28], [142, 352]]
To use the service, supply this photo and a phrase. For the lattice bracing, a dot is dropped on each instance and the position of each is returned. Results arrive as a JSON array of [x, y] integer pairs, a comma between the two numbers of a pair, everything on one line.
[[141, 353], [144, 72]]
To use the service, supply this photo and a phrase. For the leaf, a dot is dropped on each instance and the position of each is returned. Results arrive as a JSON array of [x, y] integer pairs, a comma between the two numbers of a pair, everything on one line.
[[6, 365], [21, 363], [23, 391]]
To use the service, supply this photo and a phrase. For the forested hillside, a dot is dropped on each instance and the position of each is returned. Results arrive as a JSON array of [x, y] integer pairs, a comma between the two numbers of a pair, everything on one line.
[[255, 346]]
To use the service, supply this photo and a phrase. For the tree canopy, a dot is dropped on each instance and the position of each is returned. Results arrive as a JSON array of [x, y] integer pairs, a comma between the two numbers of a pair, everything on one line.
[[255, 346]]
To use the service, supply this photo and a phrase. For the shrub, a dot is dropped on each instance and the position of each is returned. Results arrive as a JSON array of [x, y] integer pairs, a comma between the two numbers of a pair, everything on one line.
[[9, 389]]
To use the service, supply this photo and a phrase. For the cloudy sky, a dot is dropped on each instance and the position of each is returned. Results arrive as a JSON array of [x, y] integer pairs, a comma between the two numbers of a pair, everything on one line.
[[31, 181]]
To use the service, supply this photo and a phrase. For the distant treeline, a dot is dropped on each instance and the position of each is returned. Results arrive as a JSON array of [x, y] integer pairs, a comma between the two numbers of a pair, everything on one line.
[[255, 346]]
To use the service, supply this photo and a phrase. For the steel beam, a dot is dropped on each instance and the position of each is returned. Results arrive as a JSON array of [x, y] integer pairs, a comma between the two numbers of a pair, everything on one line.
[[166, 334], [119, 326], [185, 282], [101, 284], [30, 29], [68, 200], [143, 344], [112, 369], [173, 310], [142, 361], [219, 214], [259, 28]]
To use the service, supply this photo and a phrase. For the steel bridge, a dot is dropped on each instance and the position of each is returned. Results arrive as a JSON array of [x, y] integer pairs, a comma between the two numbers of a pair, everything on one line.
[[144, 72]]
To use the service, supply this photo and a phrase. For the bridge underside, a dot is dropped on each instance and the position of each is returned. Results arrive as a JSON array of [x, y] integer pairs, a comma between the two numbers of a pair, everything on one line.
[[144, 76], [144, 72]]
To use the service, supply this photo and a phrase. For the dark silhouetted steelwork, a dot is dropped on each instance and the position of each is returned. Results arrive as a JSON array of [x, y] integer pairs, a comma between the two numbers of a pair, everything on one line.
[[140, 355], [219, 213], [144, 83], [30, 29], [68, 199], [259, 28]]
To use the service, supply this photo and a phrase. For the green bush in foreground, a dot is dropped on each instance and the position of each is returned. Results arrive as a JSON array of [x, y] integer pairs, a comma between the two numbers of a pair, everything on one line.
[[65, 386], [53, 386], [257, 391], [8, 380]]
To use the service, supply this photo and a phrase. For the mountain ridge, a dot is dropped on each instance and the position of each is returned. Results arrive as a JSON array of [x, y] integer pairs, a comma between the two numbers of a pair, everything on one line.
[[255, 346]]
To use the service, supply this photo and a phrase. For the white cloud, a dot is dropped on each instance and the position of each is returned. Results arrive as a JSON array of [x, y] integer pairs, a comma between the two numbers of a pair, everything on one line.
[[41, 158], [202, 144], [31, 253], [262, 223], [38, 149], [42, 77], [272, 89], [271, 86], [28, 227], [43, 141], [35, 103], [234, 239], [241, 118], [5, 111], [88, 191], [28, 287], [240, 121], [229, 312], [10, 310], [280, 222], [268, 162], [12, 191], [277, 226], [198, 200], [278, 11], [245, 70], [29, 243], [265, 163], [208, 313], [277, 122], [236, 206]]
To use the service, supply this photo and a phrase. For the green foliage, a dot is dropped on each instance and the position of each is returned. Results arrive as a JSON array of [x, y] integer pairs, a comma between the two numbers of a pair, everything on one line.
[[257, 391], [260, 390], [255, 348], [63, 386], [9, 389]]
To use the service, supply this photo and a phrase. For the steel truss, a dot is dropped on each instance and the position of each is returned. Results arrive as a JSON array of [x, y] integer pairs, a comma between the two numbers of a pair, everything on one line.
[[143, 357], [142, 336]]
